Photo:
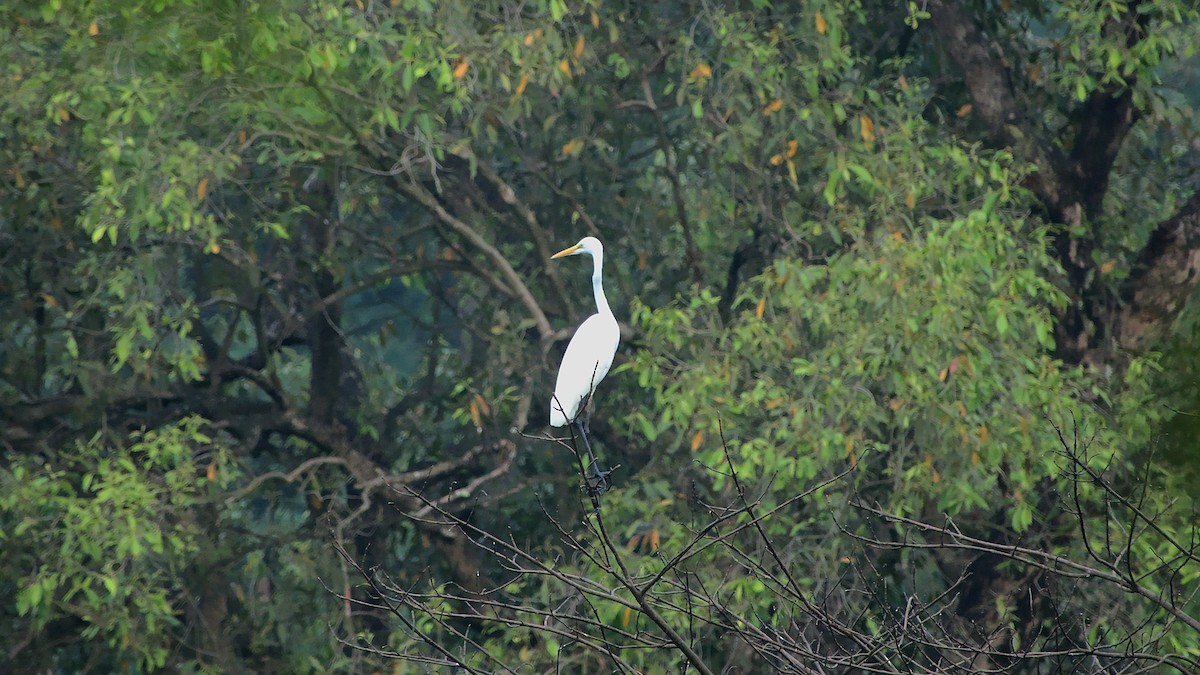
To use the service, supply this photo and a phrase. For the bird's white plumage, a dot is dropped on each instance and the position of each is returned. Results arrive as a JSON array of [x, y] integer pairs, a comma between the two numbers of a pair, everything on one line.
[[588, 358], [590, 353]]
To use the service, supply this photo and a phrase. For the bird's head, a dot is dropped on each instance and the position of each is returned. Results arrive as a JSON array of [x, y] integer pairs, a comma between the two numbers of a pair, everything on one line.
[[588, 245]]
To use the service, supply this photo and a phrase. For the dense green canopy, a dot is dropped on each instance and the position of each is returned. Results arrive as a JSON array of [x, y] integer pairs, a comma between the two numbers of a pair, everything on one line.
[[907, 378]]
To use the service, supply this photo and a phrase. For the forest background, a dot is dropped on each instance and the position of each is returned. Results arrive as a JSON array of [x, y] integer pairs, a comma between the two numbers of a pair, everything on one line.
[[908, 378]]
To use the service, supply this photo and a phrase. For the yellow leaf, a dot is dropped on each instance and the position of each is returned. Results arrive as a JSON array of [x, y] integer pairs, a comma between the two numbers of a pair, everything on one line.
[[63, 114], [819, 20], [943, 374], [845, 560], [762, 306], [461, 69], [627, 617], [595, 20], [93, 29], [910, 201], [572, 147], [792, 172], [522, 84], [202, 188], [776, 160], [772, 107], [701, 71], [964, 111], [866, 128], [483, 405], [579, 47], [792, 146], [476, 417], [697, 440], [1108, 266], [565, 67]]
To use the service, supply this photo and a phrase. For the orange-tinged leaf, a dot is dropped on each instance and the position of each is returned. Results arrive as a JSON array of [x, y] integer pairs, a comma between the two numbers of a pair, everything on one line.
[[898, 236], [643, 259], [954, 364], [962, 409], [910, 200], [483, 405], [772, 107], [866, 128], [792, 147], [701, 71], [63, 114], [49, 300], [202, 188], [93, 29], [461, 69], [975, 458], [819, 20], [633, 542], [572, 147], [522, 84], [773, 403], [56, 222], [212, 472], [762, 306], [903, 82], [565, 67], [937, 477], [476, 416], [579, 47], [964, 111], [654, 539], [214, 248], [697, 440], [776, 160], [1033, 72], [845, 560], [943, 374], [242, 137], [595, 20], [895, 404], [982, 432], [627, 617], [1108, 266]]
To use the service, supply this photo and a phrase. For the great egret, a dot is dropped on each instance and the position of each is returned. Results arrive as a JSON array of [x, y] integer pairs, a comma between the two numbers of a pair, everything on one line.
[[588, 358]]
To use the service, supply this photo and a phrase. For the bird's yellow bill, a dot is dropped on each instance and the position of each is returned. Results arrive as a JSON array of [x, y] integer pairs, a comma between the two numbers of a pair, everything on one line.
[[566, 251]]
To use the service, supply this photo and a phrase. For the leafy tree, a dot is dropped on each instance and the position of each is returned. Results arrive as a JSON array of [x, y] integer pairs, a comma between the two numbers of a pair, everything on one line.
[[279, 310]]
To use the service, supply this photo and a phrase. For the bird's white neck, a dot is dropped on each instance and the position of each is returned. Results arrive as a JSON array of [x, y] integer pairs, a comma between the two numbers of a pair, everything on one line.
[[598, 285]]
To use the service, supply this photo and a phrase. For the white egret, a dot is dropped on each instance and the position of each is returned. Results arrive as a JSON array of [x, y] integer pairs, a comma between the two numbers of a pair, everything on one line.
[[588, 358]]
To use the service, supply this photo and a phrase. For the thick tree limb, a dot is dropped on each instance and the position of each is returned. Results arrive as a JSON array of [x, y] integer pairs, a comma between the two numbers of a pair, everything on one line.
[[994, 100], [1166, 272]]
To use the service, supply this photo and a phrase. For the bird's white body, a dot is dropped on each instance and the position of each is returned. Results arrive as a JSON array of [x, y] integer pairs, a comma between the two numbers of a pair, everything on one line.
[[590, 352]]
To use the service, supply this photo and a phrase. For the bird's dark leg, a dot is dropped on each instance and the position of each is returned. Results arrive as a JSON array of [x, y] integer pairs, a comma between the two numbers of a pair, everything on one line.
[[597, 480]]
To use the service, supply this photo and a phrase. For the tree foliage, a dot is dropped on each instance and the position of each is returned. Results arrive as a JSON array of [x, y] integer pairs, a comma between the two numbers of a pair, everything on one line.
[[904, 289]]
